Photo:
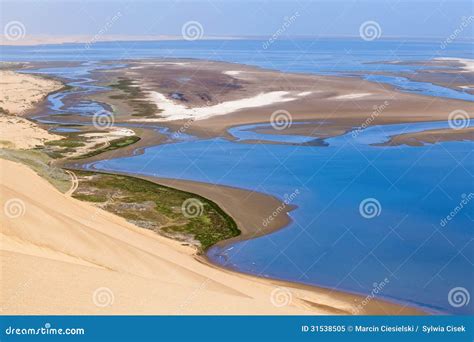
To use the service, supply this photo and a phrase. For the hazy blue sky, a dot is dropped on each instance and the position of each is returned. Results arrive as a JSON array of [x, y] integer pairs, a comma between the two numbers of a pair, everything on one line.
[[232, 17]]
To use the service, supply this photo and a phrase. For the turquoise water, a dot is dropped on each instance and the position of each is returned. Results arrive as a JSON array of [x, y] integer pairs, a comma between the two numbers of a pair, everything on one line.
[[330, 242]]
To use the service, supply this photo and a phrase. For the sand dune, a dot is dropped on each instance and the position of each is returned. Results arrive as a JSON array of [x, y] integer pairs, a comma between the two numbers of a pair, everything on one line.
[[19, 92], [63, 256], [20, 133]]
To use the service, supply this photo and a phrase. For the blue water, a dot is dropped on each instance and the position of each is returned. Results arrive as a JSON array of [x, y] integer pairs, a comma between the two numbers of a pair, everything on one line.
[[329, 242], [65, 130], [250, 132], [321, 56]]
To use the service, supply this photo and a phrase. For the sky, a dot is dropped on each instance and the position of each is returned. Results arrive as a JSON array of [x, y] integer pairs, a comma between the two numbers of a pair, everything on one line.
[[400, 18]]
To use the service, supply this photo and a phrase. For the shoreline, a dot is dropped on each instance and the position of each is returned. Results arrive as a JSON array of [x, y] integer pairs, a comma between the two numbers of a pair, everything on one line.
[[333, 101], [215, 192], [338, 121], [207, 188], [232, 200], [404, 307], [145, 250], [174, 182]]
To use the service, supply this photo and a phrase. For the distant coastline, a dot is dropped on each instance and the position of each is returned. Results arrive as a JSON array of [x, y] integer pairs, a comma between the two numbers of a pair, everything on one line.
[[32, 40]]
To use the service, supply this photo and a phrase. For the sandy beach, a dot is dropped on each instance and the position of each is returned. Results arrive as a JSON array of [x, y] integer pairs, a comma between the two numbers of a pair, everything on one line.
[[449, 72], [232, 94], [432, 137]]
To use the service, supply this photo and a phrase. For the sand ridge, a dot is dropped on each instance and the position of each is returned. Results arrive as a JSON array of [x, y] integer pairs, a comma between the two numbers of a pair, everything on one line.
[[19, 93], [63, 256], [207, 98]]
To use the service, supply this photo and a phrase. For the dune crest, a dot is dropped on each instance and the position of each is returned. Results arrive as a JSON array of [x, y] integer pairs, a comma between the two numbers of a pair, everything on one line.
[[63, 256]]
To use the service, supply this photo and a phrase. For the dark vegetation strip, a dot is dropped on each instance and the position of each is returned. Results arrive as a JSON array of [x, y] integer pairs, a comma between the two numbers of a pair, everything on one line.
[[114, 144], [134, 96], [157, 207]]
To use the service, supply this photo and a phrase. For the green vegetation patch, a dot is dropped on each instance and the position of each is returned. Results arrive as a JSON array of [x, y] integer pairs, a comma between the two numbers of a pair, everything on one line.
[[65, 143], [114, 144], [57, 149], [41, 163], [175, 213], [134, 96]]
